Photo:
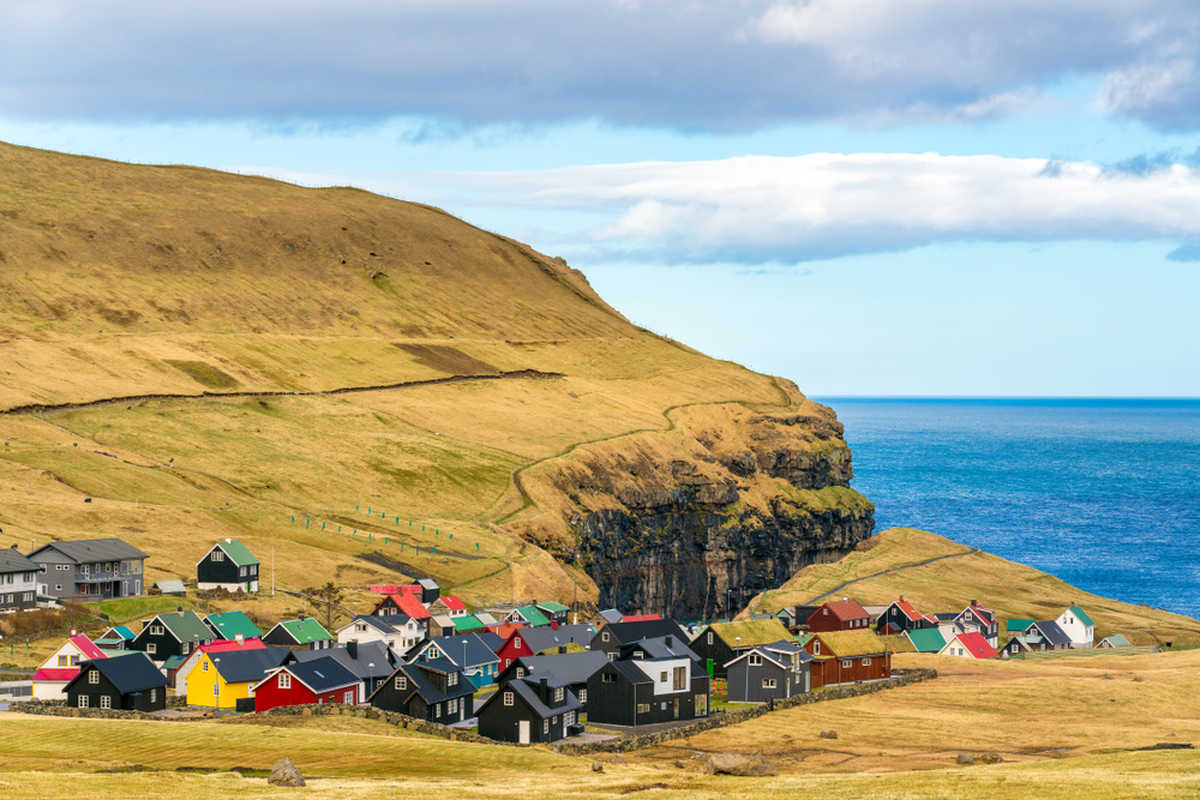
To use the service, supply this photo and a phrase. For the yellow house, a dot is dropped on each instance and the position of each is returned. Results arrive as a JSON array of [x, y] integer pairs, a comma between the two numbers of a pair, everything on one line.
[[220, 679]]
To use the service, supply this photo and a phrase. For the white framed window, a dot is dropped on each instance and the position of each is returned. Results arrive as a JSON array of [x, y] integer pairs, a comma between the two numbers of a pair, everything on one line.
[[545, 726], [604, 637], [83, 701], [153, 695], [452, 679], [348, 697], [218, 555], [709, 638], [569, 718], [285, 680], [866, 662], [847, 663], [583, 695], [105, 701], [452, 706], [643, 708], [216, 690], [754, 659], [156, 630], [612, 657], [437, 709], [768, 683], [508, 698], [151, 648], [204, 666], [558, 694], [58, 587], [93, 676], [520, 672], [401, 683], [517, 641]]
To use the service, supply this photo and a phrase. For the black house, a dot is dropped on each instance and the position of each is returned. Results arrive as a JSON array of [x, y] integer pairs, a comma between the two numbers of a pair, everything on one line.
[[175, 633], [524, 711], [130, 682], [769, 672], [430, 590], [435, 690], [613, 635], [371, 662], [228, 565], [572, 670], [646, 691]]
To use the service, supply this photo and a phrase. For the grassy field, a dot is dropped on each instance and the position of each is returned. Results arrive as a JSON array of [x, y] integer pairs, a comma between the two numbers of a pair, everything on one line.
[[1008, 588]]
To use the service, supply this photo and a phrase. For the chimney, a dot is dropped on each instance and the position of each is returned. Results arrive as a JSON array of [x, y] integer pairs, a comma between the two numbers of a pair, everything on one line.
[[670, 642], [179, 609], [974, 602], [845, 599], [74, 632], [352, 649], [14, 547], [228, 540]]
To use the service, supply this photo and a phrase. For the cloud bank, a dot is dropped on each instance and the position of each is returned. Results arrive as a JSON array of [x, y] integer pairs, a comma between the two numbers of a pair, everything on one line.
[[682, 64], [765, 209]]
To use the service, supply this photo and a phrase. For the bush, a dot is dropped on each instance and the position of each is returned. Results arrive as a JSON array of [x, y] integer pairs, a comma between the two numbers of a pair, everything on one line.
[[44, 622]]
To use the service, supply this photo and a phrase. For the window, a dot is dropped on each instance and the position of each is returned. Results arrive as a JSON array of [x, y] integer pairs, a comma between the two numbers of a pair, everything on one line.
[[93, 676], [74, 661], [151, 648], [866, 662], [680, 679], [153, 695], [709, 638], [662, 677], [508, 698], [816, 647], [517, 642], [83, 701], [58, 587], [437, 709], [84, 570], [612, 656], [583, 695], [643, 708], [216, 690], [401, 683], [755, 660], [242, 572], [608, 677], [558, 695], [847, 663], [361, 627], [105, 701], [604, 637], [452, 706], [285, 680], [218, 555], [156, 630], [62, 661], [204, 666], [348, 697], [569, 718], [545, 726], [768, 683], [452, 679], [663, 705], [520, 672]]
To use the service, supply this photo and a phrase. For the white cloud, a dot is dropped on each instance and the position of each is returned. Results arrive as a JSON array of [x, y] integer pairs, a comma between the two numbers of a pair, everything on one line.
[[759, 209]]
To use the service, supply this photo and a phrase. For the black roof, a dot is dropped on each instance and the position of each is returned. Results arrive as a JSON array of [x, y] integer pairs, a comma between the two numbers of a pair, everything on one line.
[[239, 666], [453, 647], [657, 647], [524, 688], [545, 637], [132, 672], [12, 561], [371, 659], [1053, 633], [421, 682], [494, 641], [563, 668], [86, 551], [387, 623], [625, 632], [322, 674], [631, 671]]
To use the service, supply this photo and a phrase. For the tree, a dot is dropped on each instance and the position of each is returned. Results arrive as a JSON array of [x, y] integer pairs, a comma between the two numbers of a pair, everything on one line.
[[326, 601]]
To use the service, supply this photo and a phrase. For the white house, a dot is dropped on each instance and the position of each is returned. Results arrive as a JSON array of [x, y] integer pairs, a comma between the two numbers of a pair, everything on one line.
[[398, 631], [1078, 625], [62, 666], [18, 581]]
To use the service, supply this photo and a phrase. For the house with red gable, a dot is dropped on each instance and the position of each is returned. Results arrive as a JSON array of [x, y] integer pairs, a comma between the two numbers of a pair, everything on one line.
[[402, 603], [976, 617], [51, 679], [968, 645], [839, 615], [219, 646], [316, 682], [901, 616], [449, 605]]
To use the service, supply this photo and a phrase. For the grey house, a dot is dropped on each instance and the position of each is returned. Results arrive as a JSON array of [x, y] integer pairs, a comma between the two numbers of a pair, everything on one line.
[[90, 569], [18, 581], [769, 672]]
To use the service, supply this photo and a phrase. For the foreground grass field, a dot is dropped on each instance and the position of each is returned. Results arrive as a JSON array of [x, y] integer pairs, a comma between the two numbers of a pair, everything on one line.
[[960, 574], [1066, 729]]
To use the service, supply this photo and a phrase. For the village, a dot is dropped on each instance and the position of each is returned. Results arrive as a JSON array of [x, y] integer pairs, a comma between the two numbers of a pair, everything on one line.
[[520, 673]]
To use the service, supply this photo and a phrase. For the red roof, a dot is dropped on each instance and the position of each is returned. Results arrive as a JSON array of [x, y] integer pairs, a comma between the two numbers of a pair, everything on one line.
[[410, 605], [906, 608], [383, 588], [977, 645], [847, 609], [453, 603], [409, 588], [505, 629], [56, 674], [86, 646], [225, 645], [641, 618]]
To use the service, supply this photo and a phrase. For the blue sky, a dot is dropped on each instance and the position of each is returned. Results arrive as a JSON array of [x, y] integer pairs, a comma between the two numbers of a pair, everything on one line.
[[867, 196]]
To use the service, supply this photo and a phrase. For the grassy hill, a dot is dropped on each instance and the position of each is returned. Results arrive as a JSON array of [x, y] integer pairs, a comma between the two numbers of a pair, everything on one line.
[[187, 354], [938, 575]]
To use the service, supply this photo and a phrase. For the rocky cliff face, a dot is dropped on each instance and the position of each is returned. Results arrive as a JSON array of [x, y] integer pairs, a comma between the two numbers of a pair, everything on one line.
[[695, 520]]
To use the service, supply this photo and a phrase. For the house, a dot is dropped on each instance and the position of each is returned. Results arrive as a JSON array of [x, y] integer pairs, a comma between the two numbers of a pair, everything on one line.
[[1015, 625], [769, 672], [718, 643], [117, 637], [398, 631], [901, 616], [174, 633], [370, 662], [847, 657], [319, 681], [469, 652], [926, 640], [526, 711], [614, 634], [1054, 636], [448, 605], [403, 603], [839, 615], [434, 690], [228, 565], [544, 639], [572, 670], [1022, 643], [129, 681], [304, 633], [18, 581], [555, 612], [232, 624], [968, 645], [530, 615], [643, 691], [89, 569], [189, 662], [51, 678], [1116, 640], [1075, 622], [441, 625], [172, 587], [976, 617], [429, 590], [796, 617], [466, 624], [223, 677]]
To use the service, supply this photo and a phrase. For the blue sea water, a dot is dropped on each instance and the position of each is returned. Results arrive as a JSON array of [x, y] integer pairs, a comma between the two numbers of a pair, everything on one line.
[[1105, 494]]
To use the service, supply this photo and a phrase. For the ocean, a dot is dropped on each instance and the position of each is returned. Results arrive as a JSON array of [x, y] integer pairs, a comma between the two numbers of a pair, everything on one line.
[[1105, 494]]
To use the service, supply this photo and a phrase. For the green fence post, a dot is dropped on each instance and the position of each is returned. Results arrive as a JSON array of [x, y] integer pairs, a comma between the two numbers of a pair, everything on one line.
[[452, 537], [422, 527], [356, 508], [385, 540], [433, 548], [339, 528], [368, 509], [293, 519], [322, 525], [306, 522], [477, 545], [370, 537]]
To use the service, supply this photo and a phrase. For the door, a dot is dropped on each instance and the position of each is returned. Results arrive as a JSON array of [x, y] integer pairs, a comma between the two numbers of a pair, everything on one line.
[[523, 731], [675, 710]]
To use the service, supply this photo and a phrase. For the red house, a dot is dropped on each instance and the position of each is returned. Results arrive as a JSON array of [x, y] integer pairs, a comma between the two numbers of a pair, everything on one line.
[[840, 615], [848, 657], [322, 680], [401, 603]]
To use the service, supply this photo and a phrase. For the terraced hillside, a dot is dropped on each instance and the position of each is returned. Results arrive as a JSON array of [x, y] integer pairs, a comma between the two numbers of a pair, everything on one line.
[[187, 354]]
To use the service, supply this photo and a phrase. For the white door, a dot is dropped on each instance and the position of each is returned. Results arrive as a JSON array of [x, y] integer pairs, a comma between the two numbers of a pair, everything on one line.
[[523, 731]]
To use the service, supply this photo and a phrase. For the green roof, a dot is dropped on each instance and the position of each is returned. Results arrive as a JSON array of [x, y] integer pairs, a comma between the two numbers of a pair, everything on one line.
[[468, 623], [1116, 640], [552, 606], [174, 662], [186, 626], [1083, 617], [1018, 625], [804, 639], [306, 630], [927, 640], [533, 616], [231, 623], [751, 633], [238, 553]]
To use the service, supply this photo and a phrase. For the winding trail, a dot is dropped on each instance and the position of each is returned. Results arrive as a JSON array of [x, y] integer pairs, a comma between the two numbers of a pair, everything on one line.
[[927, 561]]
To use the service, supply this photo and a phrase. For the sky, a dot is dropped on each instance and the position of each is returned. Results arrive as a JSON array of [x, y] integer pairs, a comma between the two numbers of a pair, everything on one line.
[[869, 197]]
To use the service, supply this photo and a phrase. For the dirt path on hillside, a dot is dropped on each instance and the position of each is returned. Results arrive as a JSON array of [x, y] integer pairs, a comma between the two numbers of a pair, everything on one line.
[[841, 586]]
